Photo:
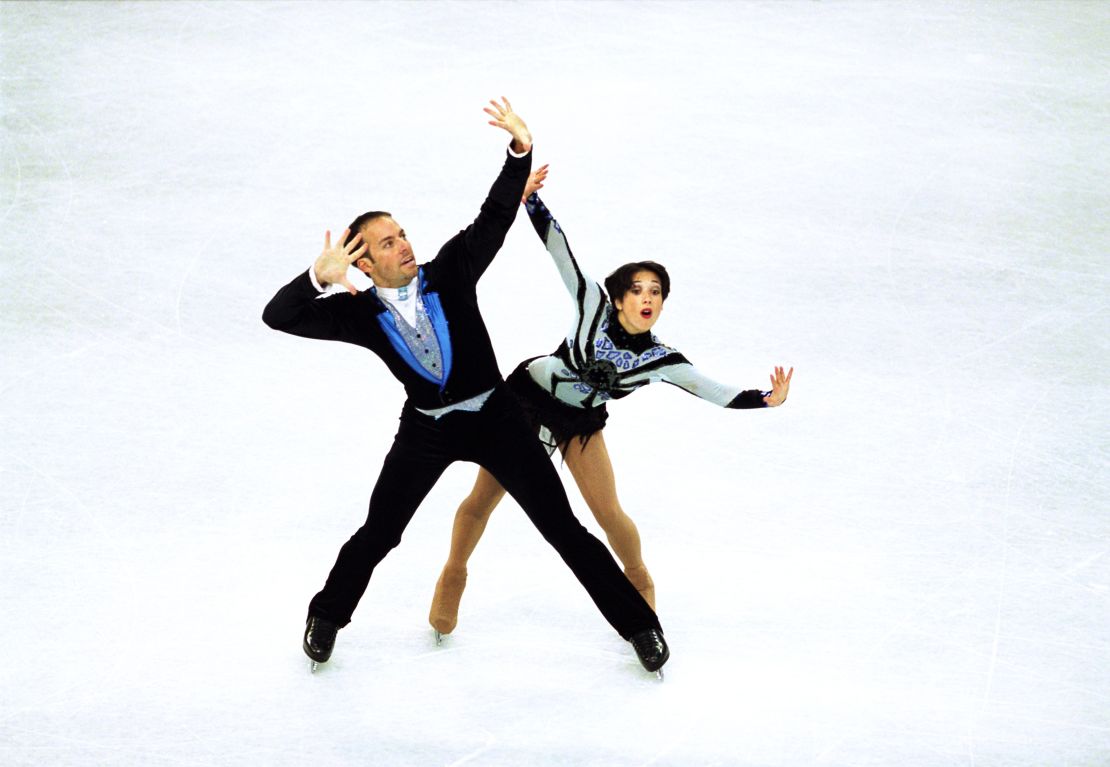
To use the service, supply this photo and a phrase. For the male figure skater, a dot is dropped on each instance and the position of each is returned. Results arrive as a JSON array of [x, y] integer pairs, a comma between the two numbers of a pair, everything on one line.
[[424, 323]]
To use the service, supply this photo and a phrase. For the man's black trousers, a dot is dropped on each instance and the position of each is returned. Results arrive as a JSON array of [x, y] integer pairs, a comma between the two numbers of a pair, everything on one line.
[[499, 439]]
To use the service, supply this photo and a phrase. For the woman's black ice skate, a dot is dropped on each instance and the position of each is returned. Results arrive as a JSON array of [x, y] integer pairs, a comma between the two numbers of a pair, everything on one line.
[[319, 639], [652, 649]]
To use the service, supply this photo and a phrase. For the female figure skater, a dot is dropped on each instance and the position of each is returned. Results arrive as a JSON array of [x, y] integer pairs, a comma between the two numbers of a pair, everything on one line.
[[609, 353]]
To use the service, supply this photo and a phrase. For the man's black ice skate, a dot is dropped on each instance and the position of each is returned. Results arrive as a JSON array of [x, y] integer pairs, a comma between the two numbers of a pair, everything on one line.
[[319, 639], [652, 649]]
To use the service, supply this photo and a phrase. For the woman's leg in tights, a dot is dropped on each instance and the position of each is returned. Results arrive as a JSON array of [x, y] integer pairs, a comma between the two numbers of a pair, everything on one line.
[[593, 472], [470, 523]]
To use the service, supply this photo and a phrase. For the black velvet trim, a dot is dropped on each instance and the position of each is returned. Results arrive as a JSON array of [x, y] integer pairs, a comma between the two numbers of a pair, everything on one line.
[[748, 400], [622, 339]]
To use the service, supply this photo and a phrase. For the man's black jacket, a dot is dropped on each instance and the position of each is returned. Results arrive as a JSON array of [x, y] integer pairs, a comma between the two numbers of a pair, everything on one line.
[[448, 282]]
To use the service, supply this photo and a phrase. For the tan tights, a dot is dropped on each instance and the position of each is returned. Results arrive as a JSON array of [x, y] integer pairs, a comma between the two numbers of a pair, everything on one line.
[[593, 473]]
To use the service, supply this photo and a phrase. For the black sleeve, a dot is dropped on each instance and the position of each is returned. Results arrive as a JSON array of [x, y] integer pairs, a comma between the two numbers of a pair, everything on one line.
[[482, 239], [297, 309]]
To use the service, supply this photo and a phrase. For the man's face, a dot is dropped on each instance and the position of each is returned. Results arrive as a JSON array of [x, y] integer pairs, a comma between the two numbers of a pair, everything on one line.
[[391, 263]]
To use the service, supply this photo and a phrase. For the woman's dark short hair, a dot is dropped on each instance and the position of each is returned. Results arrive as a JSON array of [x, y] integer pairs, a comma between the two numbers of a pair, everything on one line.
[[363, 220], [620, 282]]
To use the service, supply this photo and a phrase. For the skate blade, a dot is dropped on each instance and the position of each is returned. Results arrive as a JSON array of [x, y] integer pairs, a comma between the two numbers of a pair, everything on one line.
[[659, 675], [439, 637], [313, 665]]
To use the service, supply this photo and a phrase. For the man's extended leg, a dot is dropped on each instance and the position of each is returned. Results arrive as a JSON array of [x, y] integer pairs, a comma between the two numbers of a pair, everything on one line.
[[509, 450], [412, 466]]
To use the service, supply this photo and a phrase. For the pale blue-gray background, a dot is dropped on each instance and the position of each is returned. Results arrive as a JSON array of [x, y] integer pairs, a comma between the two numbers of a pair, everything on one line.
[[905, 565]]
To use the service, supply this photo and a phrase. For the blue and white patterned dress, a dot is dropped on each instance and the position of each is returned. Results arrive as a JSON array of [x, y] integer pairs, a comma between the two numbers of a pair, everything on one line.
[[600, 361]]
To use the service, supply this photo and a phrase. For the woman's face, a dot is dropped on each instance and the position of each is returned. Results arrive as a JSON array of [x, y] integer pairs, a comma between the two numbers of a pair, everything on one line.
[[641, 306]]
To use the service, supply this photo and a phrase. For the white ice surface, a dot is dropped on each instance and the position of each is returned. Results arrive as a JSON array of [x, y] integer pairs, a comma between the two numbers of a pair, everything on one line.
[[908, 564]]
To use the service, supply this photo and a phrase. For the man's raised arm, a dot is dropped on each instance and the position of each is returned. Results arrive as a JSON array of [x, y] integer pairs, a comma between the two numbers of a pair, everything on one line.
[[294, 309], [484, 237]]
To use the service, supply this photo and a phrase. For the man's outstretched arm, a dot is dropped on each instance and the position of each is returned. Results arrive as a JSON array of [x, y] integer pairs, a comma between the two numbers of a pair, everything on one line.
[[484, 237], [294, 309], [506, 119]]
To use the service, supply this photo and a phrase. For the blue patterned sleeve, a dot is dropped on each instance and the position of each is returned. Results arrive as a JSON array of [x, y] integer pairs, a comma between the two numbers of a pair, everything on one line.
[[578, 284]]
